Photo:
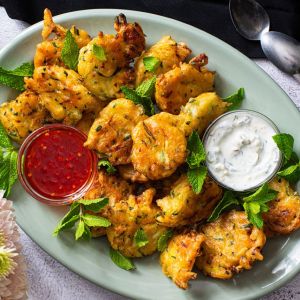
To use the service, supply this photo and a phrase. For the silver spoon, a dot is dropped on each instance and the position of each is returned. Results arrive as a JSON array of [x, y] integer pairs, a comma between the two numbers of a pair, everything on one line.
[[252, 21]]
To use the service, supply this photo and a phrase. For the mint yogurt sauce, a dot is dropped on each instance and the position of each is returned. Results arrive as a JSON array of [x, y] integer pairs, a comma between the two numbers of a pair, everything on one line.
[[241, 153]]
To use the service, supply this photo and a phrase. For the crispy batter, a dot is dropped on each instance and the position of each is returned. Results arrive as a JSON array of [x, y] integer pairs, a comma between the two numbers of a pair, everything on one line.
[[231, 245], [130, 215], [23, 115], [168, 52], [284, 214], [111, 132], [178, 259], [62, 93], [159, 146], [48, 52], [119, 49], [199, 112], [174, 88], [182, 206], [129, 173]]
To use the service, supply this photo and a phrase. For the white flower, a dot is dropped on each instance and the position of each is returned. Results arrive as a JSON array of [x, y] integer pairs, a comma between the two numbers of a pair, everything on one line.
[[13, 284]]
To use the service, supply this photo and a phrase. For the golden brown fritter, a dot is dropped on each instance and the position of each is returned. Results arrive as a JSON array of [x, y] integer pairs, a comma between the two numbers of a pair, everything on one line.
[[23, 115], [130, 215], [199, 112], [178, 259], [129, 173], [48, 52], [61, 92], [182, 206], [119, 49], [174, 88], [284, 214], [159, 146], [168, 52], [231, 245], [111, 132]]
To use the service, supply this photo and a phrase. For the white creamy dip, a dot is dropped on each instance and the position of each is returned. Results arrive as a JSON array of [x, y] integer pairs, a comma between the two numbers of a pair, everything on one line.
[[241, 153]]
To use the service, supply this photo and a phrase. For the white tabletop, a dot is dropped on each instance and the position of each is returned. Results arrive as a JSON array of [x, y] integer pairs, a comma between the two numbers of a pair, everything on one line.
[[48, 279]]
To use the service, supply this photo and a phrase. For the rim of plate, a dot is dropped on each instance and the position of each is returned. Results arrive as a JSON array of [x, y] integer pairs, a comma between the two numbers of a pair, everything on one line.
[[161, 20]]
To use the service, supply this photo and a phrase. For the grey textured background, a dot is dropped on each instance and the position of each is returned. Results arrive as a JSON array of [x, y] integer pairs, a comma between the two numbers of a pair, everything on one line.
[[48, 279]]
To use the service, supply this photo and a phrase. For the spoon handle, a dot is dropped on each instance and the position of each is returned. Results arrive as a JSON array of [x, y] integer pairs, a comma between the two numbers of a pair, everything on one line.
[[297, 77]]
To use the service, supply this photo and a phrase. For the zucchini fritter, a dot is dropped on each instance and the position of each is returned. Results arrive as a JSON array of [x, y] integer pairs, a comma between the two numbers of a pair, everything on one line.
[[199, 112], [48, 52], [61, 92], [111, 132], [182, 206], [23, 115], [130, 215], [168, 52], [231, 245], [159, 146], [178, 259], [174, 88], [129, 173], [284, 214]]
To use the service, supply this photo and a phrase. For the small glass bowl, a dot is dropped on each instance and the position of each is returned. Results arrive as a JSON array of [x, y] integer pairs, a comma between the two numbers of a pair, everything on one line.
[[267, 179], [66, 200]]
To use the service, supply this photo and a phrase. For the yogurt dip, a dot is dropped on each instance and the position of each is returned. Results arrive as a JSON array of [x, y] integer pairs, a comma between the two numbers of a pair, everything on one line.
[[241, 153]]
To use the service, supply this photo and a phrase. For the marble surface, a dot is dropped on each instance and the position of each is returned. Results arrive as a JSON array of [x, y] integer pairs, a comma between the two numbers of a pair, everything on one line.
[[48, 279]]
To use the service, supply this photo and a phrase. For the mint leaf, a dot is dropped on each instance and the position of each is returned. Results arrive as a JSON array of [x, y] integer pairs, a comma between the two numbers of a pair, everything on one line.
[[285, 143], [110, 169], [227, 201], [262, 195], [79, 230], [87, 233], [94, 205], [163, 240], [140, 238], [25, 70], [147, 87], [120, 260], [291, 173], [151, 63], [196, 151], [95, 221], [66, 225], [235, 99], [13, 172], [70, 51], [196, 178], [253, 212], [99, 52], [4, 139]]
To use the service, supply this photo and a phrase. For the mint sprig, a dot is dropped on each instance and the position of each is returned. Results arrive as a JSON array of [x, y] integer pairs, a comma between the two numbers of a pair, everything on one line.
[[285, 143], [140, 238], [70, 51], [197, 172], [151, 63], [8, 162], [235, 99], [120, 260], [163, 240], [77, 214], [99, 52], [142, 95], [110, 169], [15, 78]]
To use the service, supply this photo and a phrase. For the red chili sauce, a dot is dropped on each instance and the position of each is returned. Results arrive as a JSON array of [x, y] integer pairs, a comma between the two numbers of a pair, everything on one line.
[[57, 164]]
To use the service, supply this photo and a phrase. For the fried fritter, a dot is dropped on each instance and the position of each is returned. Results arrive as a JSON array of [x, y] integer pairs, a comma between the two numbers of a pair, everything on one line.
[[199, 112], [130, 215], [129, 173], [61, 92], [178, 259], [23, 115], [284, 214], [48, 52], [159, 146], [168, 52], [231, 245], [182, 206], [119, 49], [174, 88], [111, 132]]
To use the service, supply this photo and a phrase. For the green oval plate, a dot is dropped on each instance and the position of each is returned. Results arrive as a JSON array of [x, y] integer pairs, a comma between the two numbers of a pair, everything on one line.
[[91, 260]]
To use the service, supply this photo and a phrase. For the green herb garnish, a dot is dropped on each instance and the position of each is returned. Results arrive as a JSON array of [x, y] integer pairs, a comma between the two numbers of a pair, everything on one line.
[[110, 169], [140, 238], [15, 78], [120, 260], [151, 63], [163, 240], [70, 51], [235, 99], [99, 52]]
